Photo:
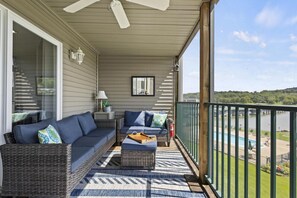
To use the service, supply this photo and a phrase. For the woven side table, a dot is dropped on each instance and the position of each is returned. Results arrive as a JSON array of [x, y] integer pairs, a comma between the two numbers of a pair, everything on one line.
[[135, 155]]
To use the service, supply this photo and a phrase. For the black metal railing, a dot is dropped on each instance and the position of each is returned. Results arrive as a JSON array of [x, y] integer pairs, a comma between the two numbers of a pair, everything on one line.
[[244, 142], [187, 130]]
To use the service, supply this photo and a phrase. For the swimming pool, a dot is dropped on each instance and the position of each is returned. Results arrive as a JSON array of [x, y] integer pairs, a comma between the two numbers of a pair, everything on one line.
[[240, 142]]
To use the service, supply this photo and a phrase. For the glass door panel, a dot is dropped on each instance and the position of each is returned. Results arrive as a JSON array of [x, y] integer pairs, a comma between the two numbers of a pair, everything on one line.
[[34, 77]]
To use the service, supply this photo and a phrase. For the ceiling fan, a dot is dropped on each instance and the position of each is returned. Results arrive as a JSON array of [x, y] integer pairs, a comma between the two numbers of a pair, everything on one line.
[[117, 8]]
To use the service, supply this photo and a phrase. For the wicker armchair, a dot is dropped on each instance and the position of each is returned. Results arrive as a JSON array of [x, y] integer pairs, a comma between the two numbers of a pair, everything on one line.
[[162, 137], [44, 170]]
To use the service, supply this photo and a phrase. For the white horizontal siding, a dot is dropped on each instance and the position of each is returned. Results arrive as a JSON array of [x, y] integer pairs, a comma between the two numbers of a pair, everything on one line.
[[115, 79]]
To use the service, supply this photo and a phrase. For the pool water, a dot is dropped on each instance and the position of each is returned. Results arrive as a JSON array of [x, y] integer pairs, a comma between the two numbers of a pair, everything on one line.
[[240, 142]]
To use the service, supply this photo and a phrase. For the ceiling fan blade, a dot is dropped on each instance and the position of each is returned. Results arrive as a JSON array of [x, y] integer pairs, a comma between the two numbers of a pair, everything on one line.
[[157, 4], [79, 5], [120, 14]]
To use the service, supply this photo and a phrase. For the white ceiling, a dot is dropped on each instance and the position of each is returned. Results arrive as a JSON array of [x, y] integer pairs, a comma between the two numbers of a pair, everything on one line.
[[152, 32]]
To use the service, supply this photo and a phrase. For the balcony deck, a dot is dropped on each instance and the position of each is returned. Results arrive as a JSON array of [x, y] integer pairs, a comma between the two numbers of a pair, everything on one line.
[[172, 177]]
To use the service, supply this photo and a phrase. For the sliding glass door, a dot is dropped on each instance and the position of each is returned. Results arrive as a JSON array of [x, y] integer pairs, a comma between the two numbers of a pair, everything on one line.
[[33, 74], [33, 77]]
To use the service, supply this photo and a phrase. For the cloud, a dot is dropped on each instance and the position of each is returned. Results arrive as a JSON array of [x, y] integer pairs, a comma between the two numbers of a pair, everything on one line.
[[246, 37], [228, 51], [292, 21], [293, 48], [293, 37], [269, 17]]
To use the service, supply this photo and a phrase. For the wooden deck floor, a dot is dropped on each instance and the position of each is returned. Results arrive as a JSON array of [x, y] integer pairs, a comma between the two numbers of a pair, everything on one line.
[[172, 177], [192, 180]]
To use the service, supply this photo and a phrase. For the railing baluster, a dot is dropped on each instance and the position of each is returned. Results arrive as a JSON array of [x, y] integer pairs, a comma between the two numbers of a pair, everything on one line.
[[246, 154], [194, 131], [191, 129], [236, 151], [217, 148], [223, 148], [212, 144], [188, 134], [258, 153], [293, 154], [197, 131], [209, 143], [229, 152], [273, 155]]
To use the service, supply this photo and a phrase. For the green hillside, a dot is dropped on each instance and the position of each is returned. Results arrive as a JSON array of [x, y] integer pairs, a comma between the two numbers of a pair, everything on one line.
[[280, 97]]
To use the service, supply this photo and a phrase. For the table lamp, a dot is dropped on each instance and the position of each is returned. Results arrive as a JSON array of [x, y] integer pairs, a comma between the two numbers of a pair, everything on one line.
[[101, 96]]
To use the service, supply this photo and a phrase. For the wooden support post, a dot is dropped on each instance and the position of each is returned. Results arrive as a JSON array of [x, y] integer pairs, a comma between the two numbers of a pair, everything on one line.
[[204, 88]]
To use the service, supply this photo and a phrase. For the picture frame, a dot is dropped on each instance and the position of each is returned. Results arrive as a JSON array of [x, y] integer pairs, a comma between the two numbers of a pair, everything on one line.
[[45, 86], [143, 86]]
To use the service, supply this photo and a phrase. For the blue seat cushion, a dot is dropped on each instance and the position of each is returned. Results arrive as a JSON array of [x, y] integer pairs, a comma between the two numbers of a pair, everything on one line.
[[134, 118], [155, 131], [86, 122], [146, 130], [131, 129], [148, 118], [28, 134], [101, 132], [95, 142], [79, 155], [69, 129], [131, 145]]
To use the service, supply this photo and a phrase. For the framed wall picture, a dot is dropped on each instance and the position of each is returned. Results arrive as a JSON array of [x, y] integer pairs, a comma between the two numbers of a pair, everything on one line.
[[45, 86], [143, 86]]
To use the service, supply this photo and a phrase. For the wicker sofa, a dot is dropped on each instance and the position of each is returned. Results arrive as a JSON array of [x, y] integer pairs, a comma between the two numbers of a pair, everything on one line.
[[142, 120], [53, 170]]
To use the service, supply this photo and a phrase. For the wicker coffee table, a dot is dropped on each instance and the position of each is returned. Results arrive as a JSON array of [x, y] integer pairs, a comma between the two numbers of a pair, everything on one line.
[[136, 155]]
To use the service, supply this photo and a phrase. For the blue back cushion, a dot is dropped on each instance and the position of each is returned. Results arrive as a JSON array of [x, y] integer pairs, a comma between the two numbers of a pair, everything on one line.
[[134, 118], [148, 118], [28, 134], [69, 129], [86, 122]]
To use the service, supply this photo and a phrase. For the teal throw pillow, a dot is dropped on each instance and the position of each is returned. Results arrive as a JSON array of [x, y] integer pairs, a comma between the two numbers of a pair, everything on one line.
[[49, 135], [158, 120]]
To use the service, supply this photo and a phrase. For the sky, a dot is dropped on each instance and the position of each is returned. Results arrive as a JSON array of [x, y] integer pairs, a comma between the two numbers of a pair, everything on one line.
[[255, 47]]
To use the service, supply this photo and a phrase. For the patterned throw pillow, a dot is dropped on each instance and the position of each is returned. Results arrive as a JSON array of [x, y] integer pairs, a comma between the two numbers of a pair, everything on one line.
[[49, 135], [158, 120]]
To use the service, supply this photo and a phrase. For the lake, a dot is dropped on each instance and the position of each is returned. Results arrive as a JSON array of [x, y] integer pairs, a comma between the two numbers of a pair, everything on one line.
[[282, 122]]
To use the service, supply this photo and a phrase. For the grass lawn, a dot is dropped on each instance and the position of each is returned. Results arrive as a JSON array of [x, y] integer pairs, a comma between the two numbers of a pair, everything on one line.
[[281, 181], [285, 136]]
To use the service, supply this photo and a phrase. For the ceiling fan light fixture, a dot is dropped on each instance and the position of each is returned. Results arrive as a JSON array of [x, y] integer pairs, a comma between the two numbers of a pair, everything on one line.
[[119, 13]]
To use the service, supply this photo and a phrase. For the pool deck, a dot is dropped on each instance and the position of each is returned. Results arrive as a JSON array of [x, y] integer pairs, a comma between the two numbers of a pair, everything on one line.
[[283, 148]]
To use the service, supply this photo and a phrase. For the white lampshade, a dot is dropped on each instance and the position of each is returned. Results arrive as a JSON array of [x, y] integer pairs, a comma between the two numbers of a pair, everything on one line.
[[101, 95]]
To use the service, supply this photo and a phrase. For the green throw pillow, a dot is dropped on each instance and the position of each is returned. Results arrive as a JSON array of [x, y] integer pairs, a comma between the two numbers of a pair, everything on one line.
[[158, 120], [49, 135]]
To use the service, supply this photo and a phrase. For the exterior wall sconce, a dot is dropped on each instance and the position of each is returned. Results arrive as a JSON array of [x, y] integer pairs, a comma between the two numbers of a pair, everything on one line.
[[176, 67], [78, 56]]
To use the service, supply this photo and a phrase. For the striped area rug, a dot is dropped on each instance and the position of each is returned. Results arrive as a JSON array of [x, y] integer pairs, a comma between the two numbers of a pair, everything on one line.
[[106, 179]]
